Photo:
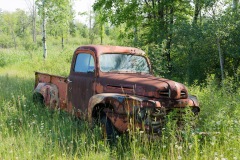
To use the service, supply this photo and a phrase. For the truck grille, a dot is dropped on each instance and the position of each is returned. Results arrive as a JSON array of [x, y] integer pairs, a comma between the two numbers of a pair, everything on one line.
[[164, 93], [183, 94], [157, 120], [167, 94]]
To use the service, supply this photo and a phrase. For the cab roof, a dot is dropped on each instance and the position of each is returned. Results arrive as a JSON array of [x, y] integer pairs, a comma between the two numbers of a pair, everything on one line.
[[101, 49]]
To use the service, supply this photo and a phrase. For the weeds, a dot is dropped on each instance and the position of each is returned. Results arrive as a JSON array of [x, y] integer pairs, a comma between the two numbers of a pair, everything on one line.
[[29, 131]]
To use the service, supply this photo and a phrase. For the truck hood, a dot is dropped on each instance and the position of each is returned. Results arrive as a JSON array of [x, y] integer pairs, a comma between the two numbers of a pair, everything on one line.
[[141, 85]]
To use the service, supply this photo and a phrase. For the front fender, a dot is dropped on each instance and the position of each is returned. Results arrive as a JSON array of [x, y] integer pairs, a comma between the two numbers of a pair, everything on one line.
[[49, 93], [117, 107], [120, 108], [114, 99], [193, 101]]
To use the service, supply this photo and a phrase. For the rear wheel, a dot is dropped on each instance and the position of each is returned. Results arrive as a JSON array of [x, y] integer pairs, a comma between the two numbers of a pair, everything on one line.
[[38, 99]]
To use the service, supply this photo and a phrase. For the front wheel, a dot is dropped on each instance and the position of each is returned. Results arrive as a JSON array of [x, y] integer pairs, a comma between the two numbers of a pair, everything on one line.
[[109, 132]]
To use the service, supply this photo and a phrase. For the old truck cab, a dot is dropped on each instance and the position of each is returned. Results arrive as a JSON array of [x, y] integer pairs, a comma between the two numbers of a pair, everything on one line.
[[114, 85]]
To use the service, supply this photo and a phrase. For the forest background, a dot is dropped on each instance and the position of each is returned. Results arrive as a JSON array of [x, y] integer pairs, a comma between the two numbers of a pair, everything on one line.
[[196, 42], [185, 40]]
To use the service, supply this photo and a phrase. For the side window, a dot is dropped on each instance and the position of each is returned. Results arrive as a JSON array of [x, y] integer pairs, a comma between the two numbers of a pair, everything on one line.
[[84, 63]]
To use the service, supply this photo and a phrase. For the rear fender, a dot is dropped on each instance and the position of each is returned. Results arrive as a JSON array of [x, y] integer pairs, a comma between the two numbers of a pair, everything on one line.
[[49, 93]]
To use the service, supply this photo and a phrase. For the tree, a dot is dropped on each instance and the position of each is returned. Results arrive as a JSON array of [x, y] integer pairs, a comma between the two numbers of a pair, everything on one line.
[[56, 13], [189, 39], [152, 21], [32, 10]]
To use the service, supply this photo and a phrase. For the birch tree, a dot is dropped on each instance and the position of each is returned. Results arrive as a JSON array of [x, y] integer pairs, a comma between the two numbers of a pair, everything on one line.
[[57, 13]]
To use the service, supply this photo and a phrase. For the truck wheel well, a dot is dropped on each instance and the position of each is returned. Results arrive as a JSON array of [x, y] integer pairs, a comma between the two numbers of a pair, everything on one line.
[[98, 112], [38, 98]]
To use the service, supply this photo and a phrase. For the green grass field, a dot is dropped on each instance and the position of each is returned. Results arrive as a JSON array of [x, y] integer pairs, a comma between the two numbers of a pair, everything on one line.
[[28, 131]]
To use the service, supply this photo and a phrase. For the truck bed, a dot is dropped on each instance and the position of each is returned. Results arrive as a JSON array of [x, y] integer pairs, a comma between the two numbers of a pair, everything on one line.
[[59, 81]]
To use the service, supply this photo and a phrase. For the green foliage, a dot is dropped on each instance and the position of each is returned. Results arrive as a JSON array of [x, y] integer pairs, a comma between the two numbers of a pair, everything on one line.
[[178, 45], [6, 41], [180, 38], [183, 34], [29, 131]]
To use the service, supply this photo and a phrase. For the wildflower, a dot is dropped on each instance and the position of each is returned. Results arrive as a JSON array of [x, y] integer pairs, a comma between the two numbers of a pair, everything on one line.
[[176, 146], [190, 146]]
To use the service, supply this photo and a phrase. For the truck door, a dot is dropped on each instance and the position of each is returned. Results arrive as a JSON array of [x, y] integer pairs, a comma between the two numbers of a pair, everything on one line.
[[81, 80]]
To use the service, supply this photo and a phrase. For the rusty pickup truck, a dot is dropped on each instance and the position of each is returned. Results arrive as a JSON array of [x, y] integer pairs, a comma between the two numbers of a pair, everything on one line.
[[115, 86]]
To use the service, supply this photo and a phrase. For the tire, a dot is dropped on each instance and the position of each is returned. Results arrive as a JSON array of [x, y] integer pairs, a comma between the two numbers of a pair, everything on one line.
[[109, 132], [38, 99]]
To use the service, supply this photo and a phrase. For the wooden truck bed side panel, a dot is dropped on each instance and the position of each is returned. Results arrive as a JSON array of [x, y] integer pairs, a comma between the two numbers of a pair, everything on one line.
[[59, 81]]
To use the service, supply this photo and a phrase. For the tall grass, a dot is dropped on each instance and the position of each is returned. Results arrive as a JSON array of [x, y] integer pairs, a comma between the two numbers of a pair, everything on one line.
[[28, 131]]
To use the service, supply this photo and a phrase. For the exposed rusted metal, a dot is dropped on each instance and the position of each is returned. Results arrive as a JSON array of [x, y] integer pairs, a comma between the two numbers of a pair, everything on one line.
[[127, 99]]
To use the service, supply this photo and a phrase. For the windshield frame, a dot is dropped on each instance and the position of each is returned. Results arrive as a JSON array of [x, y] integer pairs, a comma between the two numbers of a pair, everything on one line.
[[125, 71]]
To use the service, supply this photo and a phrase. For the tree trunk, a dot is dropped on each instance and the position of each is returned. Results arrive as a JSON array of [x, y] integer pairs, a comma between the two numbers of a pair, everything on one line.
[[220, 58], [13, 36], [196, 11], [235, 5], [34, 22], [135, 36], [101, 31], [44, 32], [90, 27], [169, 40]]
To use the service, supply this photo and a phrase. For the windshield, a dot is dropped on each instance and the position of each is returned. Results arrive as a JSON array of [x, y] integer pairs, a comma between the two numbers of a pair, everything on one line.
[[123, 63]]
